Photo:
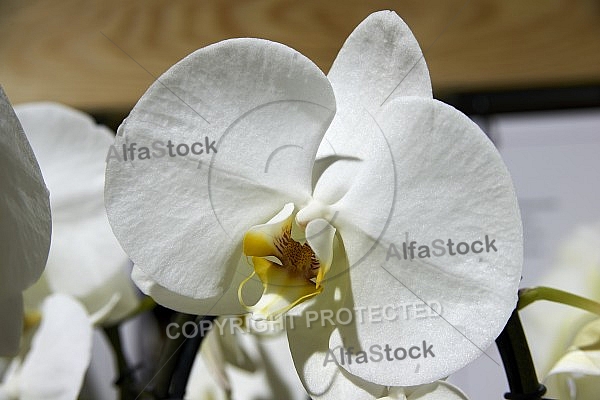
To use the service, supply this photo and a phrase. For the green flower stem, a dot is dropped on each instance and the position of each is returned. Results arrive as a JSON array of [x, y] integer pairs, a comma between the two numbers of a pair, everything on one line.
[[125, 381], [518, 365], [177, 359], [168, 359], [530, 295], [186, 360], [513, 347]]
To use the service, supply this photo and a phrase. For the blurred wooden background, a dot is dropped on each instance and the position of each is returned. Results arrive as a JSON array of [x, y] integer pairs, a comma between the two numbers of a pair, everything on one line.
[[102, 55]]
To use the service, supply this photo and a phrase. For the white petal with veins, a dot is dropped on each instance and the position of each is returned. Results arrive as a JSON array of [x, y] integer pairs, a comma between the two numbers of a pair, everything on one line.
[[450, 184], [60, 352], [11, 315], [25, 223], [380, 60], [85, 259], [266, 107], [225, 304]]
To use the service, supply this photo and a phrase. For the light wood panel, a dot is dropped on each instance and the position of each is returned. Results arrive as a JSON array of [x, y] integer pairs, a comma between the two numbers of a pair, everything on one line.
[[100, 55]]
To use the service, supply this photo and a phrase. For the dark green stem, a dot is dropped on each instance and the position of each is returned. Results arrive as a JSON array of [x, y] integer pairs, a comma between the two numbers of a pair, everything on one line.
[[186, 360], [168, 359], [518, 365], [178, 357], [125, 381]]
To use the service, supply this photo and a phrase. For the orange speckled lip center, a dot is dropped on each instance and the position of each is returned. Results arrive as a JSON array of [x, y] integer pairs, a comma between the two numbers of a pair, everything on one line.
[[295, 257]]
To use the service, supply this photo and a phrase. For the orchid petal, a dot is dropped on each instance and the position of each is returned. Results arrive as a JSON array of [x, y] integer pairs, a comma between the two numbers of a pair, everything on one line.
[[202, 385], [9, 385], [103, 314], [25, 222], [584, 387], [282, 290], [208, 378], [317, 367], [85, 259], [450, 183], [266, 107], [60, 352], [575, 375], [11, 315], [259, 241], [380, 60], [309, 334], [578, 362], [102, 373], [212, 354], [272, 354], [24, 207], [370, 163], [320, 236], [243, 365], [224, 304], [439, 390]]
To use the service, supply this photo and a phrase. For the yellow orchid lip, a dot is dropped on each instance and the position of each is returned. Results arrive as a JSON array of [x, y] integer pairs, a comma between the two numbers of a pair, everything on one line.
[[289, 270]]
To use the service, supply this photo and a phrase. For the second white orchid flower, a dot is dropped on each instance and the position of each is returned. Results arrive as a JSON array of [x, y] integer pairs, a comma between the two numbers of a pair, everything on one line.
[[85, 259], [85, 281]]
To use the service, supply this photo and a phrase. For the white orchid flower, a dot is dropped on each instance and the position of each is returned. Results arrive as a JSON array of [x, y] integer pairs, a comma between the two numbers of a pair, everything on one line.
[[245, 180], [54, 366], [85, 259], [25, 225]]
